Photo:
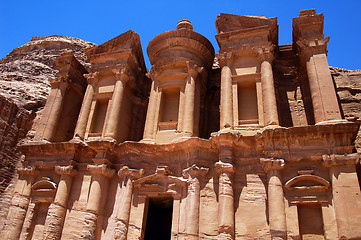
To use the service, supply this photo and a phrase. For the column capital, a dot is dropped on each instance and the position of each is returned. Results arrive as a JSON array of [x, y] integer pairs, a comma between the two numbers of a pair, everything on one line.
[[265, 53], [194, 171], [153, 73], [222, 167], [122, 74], [92, 78], [193, 69], [65, 170], [131, 173], [225, 59], [101, 169], [310, 47], [337, 160], [27, 171], [60, 81], [271, 163]]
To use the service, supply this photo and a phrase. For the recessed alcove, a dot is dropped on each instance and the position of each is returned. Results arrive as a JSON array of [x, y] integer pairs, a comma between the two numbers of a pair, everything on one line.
[[158, 215]]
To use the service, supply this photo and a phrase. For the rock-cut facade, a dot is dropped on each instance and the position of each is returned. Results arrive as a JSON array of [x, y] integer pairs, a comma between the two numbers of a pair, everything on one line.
[[248, 143]]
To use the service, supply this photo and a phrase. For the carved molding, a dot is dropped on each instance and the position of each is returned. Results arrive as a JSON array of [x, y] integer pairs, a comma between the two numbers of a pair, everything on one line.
[[225, 59], [265, 53], [101, 169], [132, 173], [122, 74], [222, 167], [161, 182], [60, 81], [65, 170], [270, 164], [92, 78], [194, 171], [337, 160], [310, 47], [27, 171]]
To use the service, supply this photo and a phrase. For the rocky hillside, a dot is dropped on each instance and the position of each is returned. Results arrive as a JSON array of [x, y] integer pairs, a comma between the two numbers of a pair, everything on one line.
[[25, 71], [24, 87], [348, 87]]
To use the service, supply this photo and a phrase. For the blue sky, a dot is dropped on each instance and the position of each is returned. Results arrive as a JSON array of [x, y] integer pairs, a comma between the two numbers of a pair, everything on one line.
[[99, 21]]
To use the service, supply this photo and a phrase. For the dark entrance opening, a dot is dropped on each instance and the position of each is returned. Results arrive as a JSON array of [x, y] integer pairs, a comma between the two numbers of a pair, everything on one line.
[[159, 219]]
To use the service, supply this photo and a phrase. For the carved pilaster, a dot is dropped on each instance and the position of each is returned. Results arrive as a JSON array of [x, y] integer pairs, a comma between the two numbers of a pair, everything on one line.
[[323, 94], [276, 205], [56, 214], [19, 204], [111, 123], [265, 56], [92, 79], [122, 217], [193, 174], [226, 108], [97, 197], [226, 200]]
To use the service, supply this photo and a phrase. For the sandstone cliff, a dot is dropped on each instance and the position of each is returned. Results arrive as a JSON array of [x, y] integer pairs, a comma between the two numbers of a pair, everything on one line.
[[24, 87]]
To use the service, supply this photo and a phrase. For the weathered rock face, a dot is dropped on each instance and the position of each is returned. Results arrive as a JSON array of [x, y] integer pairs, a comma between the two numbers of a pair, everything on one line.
[[24, 88], [25, 71], [256, 147], [348, 87]]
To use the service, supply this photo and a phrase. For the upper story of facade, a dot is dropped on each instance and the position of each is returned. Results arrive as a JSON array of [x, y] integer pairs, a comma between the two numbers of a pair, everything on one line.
[[253, 83]]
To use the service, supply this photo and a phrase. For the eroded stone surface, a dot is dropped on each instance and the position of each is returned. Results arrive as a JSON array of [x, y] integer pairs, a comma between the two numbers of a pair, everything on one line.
[[276, 152]]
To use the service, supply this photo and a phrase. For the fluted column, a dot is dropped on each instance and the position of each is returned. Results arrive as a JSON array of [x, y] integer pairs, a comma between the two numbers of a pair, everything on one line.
[[265, 57], [123, 213], [190, 98], [346, 195], [276, 205], [151, 122], [193, 174], [57, 210], [225, 200], [111, 124], [97, 197], [82, 122], [54, 106], [226, 107], [19, 204], [323, 94]]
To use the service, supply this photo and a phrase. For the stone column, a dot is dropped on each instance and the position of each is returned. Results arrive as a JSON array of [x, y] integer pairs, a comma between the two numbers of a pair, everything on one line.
[[226, 107], [265, 57], [19, 204], [56, 214], [54, 105], [193, 174], [225, 200], [123, 214], [150, 122], [111, 124], [276, 205], [80, 128], [346, 195], [323, 94], [97, 197], [190, 92]]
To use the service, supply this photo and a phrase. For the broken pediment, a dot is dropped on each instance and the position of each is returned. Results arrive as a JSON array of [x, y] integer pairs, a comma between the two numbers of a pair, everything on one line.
[[228, 22], [121, 47]]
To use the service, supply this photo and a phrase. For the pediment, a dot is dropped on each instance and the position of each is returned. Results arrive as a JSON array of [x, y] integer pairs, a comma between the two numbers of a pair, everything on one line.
[[161, 182], [307, 182], [228, 22]]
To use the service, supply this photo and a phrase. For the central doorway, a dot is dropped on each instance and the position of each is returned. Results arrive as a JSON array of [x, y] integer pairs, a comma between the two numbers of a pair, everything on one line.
[[159, 213]]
